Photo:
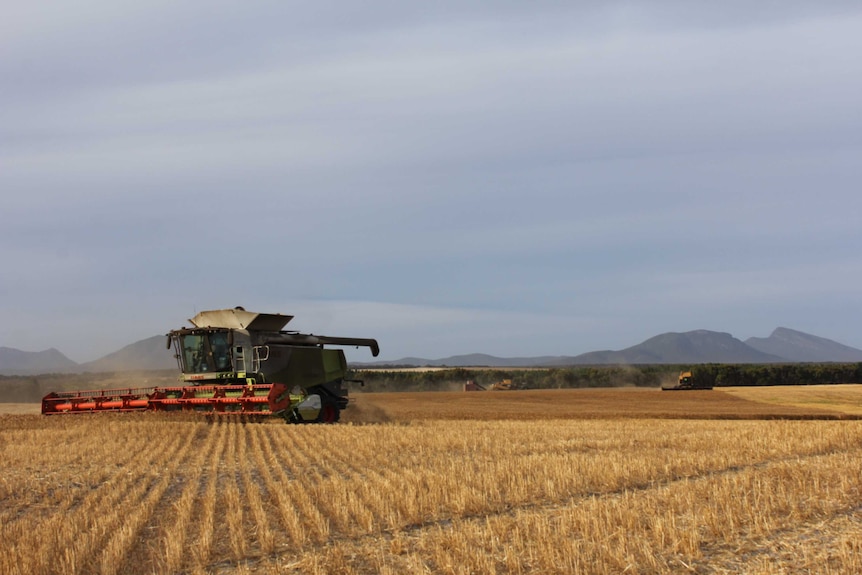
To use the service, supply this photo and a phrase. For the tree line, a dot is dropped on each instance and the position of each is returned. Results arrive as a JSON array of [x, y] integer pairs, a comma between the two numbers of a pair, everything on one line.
[[707, 375], [726, 375], [33, 388]]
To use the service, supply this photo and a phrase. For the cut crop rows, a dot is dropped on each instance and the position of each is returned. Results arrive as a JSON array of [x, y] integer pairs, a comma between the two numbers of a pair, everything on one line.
[[150, 494]]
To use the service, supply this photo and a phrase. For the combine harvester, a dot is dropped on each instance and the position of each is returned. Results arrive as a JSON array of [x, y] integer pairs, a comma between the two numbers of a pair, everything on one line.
[[687, 380], [235, 361], [504, 385]]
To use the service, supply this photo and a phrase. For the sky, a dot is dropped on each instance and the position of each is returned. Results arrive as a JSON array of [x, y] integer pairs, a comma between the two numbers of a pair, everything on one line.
[[511, 178]]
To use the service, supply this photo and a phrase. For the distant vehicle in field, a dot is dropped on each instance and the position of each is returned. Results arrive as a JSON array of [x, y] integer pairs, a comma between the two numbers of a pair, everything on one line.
[[687, 380], [503, 385]]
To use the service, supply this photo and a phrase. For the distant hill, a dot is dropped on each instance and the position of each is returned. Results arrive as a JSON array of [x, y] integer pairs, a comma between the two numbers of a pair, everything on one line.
[[801, 346], [17, 362], [700, 346], [147, 354]]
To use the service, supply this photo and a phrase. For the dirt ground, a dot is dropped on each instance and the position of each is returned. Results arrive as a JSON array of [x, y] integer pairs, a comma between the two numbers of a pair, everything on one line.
[[605, 404], [844, 398]]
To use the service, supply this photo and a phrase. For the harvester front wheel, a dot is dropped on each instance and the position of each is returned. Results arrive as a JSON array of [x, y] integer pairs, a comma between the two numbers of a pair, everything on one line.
[[329, 413]]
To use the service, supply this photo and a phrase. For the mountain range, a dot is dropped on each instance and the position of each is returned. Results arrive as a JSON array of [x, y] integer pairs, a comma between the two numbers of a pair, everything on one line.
[[144, 355], [700, 346]]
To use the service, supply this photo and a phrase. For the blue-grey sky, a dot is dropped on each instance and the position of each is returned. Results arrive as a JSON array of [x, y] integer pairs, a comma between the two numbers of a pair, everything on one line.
[[512, 178]]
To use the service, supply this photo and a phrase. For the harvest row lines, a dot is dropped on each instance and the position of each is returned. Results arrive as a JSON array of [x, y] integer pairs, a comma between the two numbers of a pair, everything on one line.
[[139, 495]]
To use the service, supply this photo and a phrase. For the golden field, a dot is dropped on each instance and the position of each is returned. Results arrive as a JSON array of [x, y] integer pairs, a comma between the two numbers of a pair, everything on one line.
[[563, 481]]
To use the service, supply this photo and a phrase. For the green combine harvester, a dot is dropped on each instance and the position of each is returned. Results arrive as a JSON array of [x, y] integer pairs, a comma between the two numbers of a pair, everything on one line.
[[235, 361]]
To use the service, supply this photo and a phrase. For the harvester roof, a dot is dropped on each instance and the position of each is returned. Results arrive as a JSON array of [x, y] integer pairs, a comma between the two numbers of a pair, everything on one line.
[[238, 318]]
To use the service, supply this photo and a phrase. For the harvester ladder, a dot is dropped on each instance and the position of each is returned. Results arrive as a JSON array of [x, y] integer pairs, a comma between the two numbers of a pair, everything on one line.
[[260, 353]]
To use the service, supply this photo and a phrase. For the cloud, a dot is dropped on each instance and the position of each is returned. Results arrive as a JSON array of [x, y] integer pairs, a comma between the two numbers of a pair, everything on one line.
[[615, 168]]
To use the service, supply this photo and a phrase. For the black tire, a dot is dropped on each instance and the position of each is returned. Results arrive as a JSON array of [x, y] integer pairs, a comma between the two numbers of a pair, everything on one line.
[[329, 413]]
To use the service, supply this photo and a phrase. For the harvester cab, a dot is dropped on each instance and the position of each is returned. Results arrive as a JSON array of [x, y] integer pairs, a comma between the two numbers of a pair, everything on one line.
[[685, 379]]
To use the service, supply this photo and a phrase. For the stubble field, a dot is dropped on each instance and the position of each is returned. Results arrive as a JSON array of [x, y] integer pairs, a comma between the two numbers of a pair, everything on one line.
[[578, 481]]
